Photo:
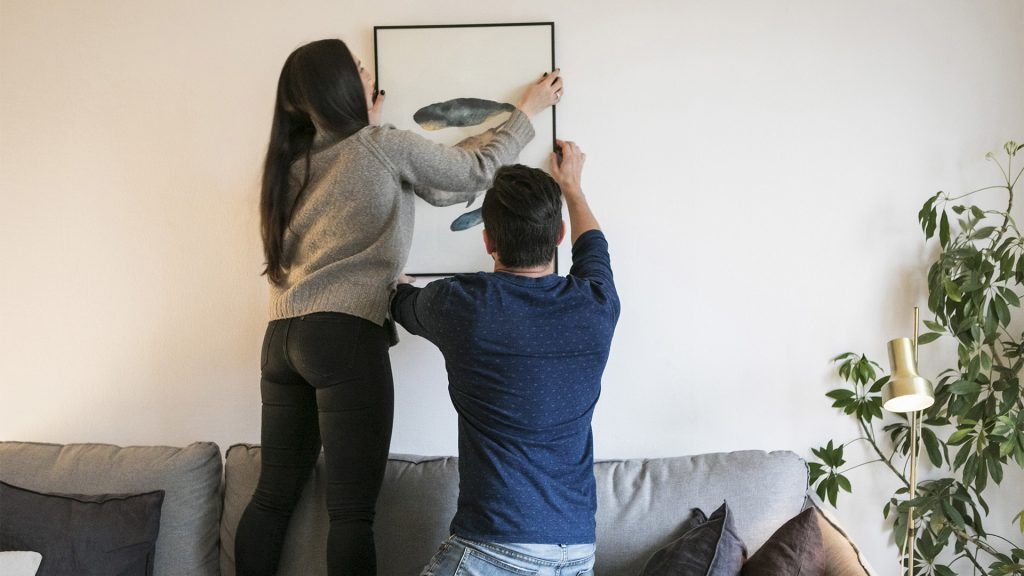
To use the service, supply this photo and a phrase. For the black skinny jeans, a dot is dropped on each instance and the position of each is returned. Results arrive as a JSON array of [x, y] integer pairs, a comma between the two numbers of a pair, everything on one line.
[[326, 378]]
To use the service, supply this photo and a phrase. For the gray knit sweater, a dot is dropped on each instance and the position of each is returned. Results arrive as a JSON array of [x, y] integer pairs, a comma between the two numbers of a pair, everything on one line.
[[350, 235]]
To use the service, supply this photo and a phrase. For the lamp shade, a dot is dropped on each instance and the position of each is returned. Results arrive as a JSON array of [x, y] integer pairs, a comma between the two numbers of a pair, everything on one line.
[[906, 390]]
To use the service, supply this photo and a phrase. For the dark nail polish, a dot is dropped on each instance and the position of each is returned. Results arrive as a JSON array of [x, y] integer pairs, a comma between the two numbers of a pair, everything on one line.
[[382, 93]]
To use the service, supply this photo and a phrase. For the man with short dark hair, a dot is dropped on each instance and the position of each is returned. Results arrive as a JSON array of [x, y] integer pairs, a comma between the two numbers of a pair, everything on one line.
[[525, 350]]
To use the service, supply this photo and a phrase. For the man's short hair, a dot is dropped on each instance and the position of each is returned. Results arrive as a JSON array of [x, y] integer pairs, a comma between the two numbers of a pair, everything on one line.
[[522, 213]]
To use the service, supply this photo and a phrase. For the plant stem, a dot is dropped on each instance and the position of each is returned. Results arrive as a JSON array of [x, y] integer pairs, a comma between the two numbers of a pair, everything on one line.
[[978, 542], [974, 561], [871, 440], [859, 465], [965, 195]]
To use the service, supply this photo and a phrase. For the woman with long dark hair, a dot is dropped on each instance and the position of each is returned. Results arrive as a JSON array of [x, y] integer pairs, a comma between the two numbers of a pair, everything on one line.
[[337, 217]]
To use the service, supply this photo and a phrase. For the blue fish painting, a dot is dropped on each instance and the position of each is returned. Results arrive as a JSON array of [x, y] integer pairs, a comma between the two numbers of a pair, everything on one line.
[[459, 113], [442, 198], [468, 220]]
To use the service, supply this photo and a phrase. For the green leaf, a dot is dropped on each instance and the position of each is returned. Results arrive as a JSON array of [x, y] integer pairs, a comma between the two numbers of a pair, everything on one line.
[[1002, 311], [840, 393], [928, 338], [833, 490], [931, 444], [962, 388], [952, 290], [944, 230], [973, 368], [822, 490], [1010, 296], [983, 232], [952, 514], [959, 436], [995, 469], [844, 483]]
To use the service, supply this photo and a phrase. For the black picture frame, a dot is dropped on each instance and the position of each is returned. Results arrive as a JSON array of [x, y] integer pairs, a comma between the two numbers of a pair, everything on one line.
[[554, 111]]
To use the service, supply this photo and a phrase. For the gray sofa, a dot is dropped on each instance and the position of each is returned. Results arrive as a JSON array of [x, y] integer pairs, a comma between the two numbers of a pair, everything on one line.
[[641, 503]]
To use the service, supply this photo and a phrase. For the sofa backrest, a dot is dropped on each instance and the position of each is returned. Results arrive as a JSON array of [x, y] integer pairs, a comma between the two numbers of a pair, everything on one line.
[[641, 506], [189, 476]]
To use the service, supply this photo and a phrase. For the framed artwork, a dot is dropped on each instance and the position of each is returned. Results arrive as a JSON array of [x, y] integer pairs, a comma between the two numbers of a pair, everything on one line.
[[452, 83]]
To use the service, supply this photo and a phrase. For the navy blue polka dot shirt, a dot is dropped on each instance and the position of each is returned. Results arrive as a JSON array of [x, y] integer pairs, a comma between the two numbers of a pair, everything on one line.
[[525, 358]]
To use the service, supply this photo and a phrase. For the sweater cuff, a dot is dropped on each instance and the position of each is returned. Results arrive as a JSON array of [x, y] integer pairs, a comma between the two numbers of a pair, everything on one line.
[[519, 126]]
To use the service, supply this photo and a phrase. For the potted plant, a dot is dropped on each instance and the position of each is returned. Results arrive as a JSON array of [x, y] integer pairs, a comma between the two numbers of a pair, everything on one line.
[[975, 428]]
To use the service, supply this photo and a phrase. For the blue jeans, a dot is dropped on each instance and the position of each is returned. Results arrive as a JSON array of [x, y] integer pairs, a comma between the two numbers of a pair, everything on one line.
[[468, 558]]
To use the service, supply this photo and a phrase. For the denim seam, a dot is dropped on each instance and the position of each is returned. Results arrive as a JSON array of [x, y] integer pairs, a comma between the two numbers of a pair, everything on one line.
[[578, 562], [511, 553], [284, 345], [496, 562]]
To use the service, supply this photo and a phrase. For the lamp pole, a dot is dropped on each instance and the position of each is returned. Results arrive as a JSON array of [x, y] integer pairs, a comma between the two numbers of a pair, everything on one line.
[[915, 422], [907, 392]]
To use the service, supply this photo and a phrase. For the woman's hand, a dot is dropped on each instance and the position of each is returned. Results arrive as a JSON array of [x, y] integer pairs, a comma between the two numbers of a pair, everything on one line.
[[375, 110], [569, 171], [406, 279], [538, 96]]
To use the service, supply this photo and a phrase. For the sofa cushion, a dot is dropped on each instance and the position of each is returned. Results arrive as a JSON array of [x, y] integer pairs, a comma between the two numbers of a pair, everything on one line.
[[842, 556], [416, 504], [190, 478], [712, 548], [795, 549], [82, 533], [642, 505]]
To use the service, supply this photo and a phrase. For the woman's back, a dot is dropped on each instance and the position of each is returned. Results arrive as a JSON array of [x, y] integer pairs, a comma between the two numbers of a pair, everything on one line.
[[351, 230]]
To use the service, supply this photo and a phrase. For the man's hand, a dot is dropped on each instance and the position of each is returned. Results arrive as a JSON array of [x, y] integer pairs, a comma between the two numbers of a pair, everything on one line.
[[406, 279], [568, 170]]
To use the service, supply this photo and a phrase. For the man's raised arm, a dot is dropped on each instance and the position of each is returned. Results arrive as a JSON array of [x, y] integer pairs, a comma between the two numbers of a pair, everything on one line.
[[568, 171]]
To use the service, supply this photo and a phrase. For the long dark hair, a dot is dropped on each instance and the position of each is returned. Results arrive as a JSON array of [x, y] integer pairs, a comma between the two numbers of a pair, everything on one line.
[[319, 80]]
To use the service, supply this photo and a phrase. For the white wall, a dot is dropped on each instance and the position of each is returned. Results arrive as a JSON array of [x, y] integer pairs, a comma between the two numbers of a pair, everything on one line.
[[757, 166]]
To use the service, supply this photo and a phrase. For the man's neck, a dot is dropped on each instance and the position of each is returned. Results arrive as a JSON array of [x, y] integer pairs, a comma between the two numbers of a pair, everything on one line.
[[531, 272]]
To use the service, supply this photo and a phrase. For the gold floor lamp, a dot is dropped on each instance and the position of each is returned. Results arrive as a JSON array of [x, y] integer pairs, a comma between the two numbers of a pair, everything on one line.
[[908, 392]]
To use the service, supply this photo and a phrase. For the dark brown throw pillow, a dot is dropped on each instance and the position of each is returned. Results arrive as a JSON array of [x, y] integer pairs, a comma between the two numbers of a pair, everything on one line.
[[795, 549], [109, 534], [711, 548]]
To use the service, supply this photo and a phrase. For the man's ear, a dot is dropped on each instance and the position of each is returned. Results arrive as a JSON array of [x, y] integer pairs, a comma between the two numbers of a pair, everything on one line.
[[488, 244], [561, 234]]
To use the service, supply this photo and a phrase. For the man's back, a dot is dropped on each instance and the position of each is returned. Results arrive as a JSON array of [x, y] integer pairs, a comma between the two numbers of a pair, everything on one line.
[[525, 357]]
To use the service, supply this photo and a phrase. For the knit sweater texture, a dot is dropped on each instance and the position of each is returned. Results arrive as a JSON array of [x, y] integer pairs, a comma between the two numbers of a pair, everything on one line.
[[350, 234]]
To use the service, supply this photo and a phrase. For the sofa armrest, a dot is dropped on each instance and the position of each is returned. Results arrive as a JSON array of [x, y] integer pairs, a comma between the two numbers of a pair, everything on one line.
[[842, 557]]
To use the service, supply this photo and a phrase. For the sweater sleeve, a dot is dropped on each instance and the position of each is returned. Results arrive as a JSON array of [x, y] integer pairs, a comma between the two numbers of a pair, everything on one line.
[[467, 167]]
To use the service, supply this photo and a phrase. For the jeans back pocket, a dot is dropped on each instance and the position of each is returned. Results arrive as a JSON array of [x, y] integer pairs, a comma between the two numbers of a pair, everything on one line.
[[475, 563]]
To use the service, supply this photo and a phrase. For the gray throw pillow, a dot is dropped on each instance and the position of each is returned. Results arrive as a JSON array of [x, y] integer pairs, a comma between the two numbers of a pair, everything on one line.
[[711, 548], [108, 534]]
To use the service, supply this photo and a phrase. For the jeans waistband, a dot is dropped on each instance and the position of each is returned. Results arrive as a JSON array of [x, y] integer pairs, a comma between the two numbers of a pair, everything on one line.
[[541, 554]]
